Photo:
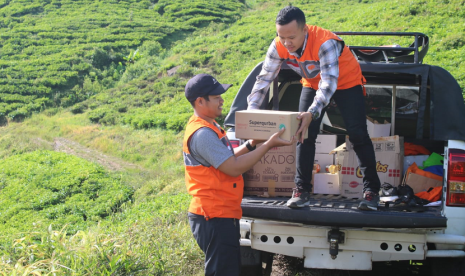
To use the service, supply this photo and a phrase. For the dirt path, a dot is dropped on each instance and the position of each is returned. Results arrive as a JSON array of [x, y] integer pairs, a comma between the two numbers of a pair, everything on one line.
[[109, 162]]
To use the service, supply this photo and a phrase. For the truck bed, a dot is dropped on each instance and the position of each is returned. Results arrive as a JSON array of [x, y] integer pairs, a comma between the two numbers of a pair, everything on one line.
[[339, 211]]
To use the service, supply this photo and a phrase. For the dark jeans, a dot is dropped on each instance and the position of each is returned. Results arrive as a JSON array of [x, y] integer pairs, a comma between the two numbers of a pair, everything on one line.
[[351, 104], [219, 240]]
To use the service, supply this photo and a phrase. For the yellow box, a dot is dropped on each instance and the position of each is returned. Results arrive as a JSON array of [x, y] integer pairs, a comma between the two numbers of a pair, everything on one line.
[[261, 124]]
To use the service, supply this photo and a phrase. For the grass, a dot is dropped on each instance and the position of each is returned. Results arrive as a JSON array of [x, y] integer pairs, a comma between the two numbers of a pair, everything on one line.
[[148, 236], [130, 122], [135, 241]]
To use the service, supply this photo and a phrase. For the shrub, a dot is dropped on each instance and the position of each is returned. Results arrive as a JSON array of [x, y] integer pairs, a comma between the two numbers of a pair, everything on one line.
[[56, 188], [78, 108], [151, 48], [51, 111], [100, 59], [97, 114], [3, 120], [18, 115]]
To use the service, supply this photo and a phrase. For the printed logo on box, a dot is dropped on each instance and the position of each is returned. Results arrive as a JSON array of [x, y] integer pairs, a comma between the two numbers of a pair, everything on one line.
[[287, 178], [378, 146], [287, 175], [390, 146], [394, 173], [287, 170], [354, 184], [277, 159], [267, 177], [348, 170], [283, 190], [379, 168], [252, 175], [269, 170], [256, 189], [267, 124], [241, 126], [269, 174]]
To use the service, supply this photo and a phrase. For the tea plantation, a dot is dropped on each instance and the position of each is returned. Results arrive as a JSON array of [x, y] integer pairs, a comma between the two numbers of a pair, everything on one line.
[[110, 76]]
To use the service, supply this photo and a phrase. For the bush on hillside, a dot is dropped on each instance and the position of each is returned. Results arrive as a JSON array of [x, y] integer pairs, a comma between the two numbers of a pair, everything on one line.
[[100, 59], [103, 115], [55, 188], [78, 108]]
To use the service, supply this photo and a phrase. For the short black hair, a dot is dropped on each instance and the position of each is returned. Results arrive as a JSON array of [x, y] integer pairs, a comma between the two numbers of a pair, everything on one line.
[[205, 97], [289, 14]]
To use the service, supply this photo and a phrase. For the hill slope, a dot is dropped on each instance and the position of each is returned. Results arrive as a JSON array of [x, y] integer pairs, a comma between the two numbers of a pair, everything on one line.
[[135, 112], [49, 49], [150, 97]]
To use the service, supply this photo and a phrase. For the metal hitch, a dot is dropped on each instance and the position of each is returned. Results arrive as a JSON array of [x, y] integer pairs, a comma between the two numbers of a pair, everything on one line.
[[335, 237]]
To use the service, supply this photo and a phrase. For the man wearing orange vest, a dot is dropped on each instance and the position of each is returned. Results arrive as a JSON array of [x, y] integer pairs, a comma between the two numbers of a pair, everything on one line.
[[329, 71], [214, 176]]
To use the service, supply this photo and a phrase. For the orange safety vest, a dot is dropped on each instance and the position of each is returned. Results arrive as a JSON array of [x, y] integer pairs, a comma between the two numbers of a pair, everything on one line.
[[215, 194], [308, 65]]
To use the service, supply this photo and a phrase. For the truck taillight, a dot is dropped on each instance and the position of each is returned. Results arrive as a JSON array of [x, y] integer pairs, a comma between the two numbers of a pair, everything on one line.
[[456, 178], [235, 143]]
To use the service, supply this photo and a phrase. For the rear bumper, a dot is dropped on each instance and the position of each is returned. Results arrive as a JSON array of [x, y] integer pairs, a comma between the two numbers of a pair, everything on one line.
[[357, 248]]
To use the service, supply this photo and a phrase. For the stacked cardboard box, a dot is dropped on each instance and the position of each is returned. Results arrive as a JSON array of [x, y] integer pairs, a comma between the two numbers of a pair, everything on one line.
[[274, 174], [325, 183], [389, 153], [376, 129], [261, 124]]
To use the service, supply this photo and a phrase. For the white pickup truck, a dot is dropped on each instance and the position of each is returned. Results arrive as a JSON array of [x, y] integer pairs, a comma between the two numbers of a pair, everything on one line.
[[332, 233]]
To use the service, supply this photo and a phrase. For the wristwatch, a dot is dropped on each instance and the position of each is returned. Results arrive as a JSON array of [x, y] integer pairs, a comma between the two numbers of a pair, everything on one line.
[[315, 114], [249, 146]]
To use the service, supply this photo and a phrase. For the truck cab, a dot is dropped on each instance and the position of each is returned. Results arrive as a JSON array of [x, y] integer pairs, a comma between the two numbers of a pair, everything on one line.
[[424, 104]]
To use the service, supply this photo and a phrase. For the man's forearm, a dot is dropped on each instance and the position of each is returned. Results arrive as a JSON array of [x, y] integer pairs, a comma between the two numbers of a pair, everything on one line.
[[270, 70]]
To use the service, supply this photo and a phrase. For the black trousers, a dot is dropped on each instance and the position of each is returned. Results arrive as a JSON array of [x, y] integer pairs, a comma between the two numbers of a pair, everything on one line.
[[219, 240], [351, 104]]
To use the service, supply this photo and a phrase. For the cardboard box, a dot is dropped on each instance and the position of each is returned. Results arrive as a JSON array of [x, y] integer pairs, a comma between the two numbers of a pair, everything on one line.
[[420, 183], [261, 124], [273, 175], [376, 129], [389, 154], [324, 159], [325, 143], [409, 160], [327, 183]]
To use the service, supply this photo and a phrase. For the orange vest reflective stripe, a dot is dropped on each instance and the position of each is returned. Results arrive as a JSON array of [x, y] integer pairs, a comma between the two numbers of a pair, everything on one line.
[[308, 65], [214, 193]]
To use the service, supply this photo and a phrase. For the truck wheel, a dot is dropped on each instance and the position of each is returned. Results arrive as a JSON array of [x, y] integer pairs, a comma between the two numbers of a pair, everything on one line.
[[267, 263], [255, 262], [448, 266]]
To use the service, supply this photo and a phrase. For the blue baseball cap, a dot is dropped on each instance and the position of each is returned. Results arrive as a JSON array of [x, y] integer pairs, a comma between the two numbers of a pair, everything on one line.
[[203, 85]]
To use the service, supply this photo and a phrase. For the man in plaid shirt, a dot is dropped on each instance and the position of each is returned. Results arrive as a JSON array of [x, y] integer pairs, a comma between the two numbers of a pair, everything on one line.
[[329, 71]]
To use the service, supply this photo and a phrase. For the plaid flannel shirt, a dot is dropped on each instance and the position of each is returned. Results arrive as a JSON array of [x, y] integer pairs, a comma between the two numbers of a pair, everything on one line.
[[328, 53]]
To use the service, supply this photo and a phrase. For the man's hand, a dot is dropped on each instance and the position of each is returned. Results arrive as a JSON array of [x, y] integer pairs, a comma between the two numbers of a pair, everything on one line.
[[306, 119], [276, 141]]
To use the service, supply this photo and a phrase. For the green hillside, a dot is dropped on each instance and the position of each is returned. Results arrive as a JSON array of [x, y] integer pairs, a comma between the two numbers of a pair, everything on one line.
[[50, 48], [231, 52], [87, 82]]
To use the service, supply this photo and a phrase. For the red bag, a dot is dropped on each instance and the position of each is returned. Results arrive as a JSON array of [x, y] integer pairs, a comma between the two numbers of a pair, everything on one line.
[[412, 149]]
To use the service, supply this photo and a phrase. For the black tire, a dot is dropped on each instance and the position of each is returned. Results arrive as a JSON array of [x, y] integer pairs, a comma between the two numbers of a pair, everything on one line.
[[255, 262], [267, 263]]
